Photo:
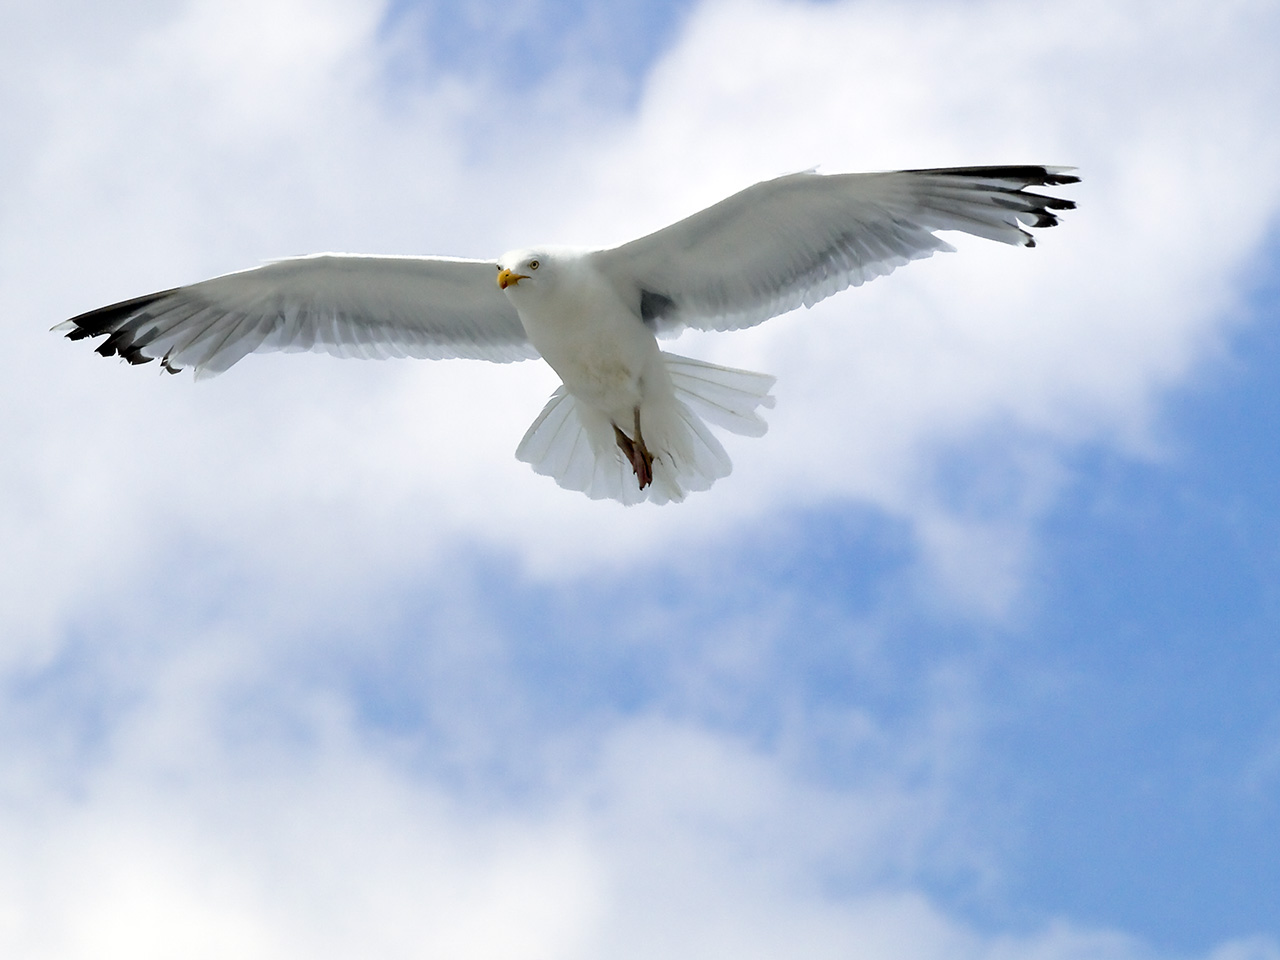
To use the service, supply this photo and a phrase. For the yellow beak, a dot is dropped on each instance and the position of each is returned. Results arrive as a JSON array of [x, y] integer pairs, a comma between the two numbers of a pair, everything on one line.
[[508, 279]]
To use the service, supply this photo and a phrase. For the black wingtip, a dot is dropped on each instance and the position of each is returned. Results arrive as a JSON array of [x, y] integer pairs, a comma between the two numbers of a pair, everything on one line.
[[1007, 187], [106, 319], [1032, 175], [118, 322]]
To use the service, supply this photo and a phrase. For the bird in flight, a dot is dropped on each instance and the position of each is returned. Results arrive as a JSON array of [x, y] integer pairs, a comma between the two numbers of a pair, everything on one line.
[[629, 421]]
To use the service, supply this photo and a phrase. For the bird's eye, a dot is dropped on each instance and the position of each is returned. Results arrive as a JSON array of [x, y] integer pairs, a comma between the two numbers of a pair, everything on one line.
[[533, 264]]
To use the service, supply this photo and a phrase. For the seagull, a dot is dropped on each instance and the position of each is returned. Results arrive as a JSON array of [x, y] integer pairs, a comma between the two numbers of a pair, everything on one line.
[[629, 420]]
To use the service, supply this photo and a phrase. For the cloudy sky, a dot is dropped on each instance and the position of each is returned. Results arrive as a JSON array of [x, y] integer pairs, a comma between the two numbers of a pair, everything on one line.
[[975, 655]]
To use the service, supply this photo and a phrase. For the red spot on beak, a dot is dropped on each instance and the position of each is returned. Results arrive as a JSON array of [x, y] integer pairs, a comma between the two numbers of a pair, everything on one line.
[[507, 278]]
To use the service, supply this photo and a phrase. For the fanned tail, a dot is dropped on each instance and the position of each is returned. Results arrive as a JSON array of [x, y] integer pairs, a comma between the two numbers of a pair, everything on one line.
[[726, 396], [575, 446]]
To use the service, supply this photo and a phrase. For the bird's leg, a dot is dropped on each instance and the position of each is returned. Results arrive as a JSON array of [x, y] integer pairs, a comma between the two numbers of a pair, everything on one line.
[[645, 476], [630, 452], [636, 452]]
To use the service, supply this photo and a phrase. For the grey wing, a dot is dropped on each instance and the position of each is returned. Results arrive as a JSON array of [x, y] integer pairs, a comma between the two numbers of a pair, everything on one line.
[[798, 239], [346, 305]]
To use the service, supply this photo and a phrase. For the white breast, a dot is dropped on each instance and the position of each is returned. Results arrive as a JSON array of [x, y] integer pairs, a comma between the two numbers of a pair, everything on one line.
[[602, 351]]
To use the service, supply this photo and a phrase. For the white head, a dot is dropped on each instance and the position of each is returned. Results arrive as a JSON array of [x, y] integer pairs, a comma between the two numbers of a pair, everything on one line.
[[530, 266], [538, 270]]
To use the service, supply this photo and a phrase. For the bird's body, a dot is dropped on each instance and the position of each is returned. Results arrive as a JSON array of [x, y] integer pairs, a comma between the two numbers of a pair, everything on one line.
[[579, 324], [610, 365], [627, 423]]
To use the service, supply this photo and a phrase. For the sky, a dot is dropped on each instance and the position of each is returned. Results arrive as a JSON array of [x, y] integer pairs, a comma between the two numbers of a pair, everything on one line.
[[974, 656]]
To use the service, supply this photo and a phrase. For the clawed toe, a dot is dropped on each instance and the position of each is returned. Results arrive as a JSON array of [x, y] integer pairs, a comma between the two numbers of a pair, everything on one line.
[[636, 453]]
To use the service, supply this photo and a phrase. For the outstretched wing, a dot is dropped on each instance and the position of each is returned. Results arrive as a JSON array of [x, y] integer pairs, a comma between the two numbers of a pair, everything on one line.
[[800, 238], [349, 306]]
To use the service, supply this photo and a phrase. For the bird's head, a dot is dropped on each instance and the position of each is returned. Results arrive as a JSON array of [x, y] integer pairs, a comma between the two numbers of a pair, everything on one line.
[[520, 265]]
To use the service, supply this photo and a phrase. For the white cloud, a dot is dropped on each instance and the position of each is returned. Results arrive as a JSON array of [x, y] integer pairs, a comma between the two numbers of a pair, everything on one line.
[[663, 840], [166, 142], [197, 148]]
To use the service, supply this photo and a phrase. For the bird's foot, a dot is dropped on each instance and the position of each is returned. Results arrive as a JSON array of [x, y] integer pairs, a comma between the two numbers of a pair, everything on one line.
[[636, 452]]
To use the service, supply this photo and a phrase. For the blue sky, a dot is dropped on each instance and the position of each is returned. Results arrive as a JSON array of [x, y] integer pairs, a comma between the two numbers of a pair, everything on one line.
[[975, 654], [1154, 761]]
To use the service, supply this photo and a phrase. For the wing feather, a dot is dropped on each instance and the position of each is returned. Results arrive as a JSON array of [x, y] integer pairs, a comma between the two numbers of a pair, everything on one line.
[[346, 305], [798, 239]]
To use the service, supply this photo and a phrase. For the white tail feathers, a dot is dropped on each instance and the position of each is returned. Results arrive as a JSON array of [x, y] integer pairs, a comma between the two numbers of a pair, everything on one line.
[[575, 444], [723, 395]]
